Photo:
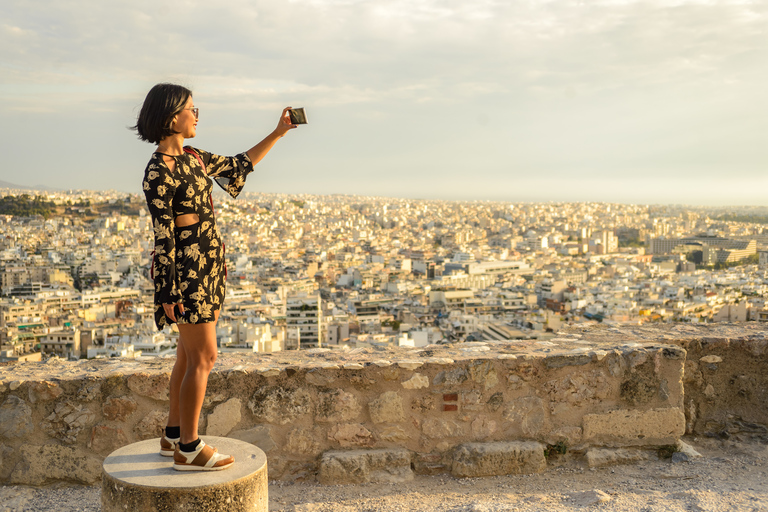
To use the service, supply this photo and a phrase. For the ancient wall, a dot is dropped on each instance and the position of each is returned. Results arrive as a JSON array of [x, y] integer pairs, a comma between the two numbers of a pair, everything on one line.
[[325, 414]]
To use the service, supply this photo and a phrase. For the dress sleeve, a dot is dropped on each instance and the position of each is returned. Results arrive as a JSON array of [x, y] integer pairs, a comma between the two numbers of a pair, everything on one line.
[[228, 171], [159, 189]]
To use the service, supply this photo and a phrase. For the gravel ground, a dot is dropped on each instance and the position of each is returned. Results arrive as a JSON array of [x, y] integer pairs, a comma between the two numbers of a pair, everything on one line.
[[731, 475]]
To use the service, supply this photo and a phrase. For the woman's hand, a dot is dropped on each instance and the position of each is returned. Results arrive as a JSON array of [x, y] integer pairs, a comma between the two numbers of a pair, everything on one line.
[[170, 310], [285, 123], [257, 152]]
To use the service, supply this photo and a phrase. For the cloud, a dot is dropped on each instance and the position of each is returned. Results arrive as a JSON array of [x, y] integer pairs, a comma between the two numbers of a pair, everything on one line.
[[563, 86]]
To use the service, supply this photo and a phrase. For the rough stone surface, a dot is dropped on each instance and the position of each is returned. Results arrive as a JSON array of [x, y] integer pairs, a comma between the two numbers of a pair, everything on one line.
[[15, 418], [155, 386], [483, 427], [151, 425], [484, 373], [351, 435], [224, 418], [388, 408], [42, 464], [280, 405], [260, 436], [435, 428], [393, 434], [599, 457], [44, 391], [579, 388], [499, 458], [67, 421], [118, 408], [89, 391], [418, 381], [337, 406], [107, 438], [527, 417], [301, 441], [589, 498], [632, 427], [360, 466], [5, 461]]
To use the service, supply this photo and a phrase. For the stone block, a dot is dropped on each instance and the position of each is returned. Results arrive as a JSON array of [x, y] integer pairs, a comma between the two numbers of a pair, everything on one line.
[[599, 457], [418, 381], [260, 436], [435, 428], [44, 391], [336, 406], [42, 464], [151, 425], [15, 418], [430, 464], [280, 405], [527, 416], [361, 466], [451, 378], [393, 434], [483, 427], [301, 441], [627, 427], [67, 421], [155, 386], [388, 408], [107, 438], [561, 361], [496, 459], [579, 388], [224, 418], [118, 408], [349, 435], [89, 391], [483, 373]]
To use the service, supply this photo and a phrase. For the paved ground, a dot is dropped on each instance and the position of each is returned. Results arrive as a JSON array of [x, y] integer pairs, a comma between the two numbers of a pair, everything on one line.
[[732, 475]]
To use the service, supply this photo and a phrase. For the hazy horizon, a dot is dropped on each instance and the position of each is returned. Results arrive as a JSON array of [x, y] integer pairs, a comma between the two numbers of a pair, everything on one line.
[[625, 101]]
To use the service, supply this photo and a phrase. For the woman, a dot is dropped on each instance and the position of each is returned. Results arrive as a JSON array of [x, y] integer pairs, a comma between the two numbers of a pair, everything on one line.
[[188, 263]]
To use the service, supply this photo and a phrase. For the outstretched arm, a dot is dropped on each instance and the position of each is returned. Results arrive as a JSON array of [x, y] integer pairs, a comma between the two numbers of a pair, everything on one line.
[[257, 152]]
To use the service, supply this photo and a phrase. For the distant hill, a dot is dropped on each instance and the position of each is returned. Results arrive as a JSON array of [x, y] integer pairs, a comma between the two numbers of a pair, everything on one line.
[[6, 184]]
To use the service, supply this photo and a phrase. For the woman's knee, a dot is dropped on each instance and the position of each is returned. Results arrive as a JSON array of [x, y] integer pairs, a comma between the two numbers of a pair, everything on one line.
[[204, 361]]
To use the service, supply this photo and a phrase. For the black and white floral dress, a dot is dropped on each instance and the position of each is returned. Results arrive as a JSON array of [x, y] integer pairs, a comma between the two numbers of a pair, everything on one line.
[[188, 264]]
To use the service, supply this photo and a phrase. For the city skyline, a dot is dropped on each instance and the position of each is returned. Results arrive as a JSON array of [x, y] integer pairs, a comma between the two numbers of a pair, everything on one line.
[[615, 101]]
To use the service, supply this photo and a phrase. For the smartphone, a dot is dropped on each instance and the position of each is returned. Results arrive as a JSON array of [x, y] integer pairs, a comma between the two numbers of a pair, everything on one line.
[[298, 116]]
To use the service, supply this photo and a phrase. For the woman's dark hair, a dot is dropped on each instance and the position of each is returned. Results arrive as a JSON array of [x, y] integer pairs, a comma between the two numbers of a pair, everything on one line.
[[163, 102]]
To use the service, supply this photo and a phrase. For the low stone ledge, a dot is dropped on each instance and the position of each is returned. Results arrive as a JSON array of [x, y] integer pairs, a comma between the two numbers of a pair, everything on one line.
[[297, 405], [362, 466], [498, 459], [49, 463], [632, 427]]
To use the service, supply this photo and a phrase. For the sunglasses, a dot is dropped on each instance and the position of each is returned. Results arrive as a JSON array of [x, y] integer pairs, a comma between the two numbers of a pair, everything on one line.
[[195, 111]]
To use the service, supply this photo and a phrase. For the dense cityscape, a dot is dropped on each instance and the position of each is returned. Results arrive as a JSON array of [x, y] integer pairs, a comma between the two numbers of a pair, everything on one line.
[[343, 272]]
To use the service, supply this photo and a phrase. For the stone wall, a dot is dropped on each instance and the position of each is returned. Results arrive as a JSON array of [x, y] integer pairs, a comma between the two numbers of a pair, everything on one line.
[[470, 409]]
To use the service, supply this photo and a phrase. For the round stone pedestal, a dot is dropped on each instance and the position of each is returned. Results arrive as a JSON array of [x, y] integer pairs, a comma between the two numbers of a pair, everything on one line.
[[136, 478]]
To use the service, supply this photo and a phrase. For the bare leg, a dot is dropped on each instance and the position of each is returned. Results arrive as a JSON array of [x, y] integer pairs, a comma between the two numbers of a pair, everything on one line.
[[177, 375], [199, 342]]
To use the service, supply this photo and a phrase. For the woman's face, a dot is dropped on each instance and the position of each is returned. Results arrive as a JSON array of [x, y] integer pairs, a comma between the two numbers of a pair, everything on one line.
[[186, 121]]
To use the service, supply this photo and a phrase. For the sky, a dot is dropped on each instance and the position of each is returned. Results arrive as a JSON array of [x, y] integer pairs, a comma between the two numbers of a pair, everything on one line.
[[646, 102]]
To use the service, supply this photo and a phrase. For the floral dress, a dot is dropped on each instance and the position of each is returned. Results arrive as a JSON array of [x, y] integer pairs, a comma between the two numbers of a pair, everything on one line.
[[188, 264]]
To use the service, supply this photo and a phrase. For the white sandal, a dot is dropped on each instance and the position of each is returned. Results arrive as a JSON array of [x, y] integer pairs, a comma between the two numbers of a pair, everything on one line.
[[204, 458], [168, 445]]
